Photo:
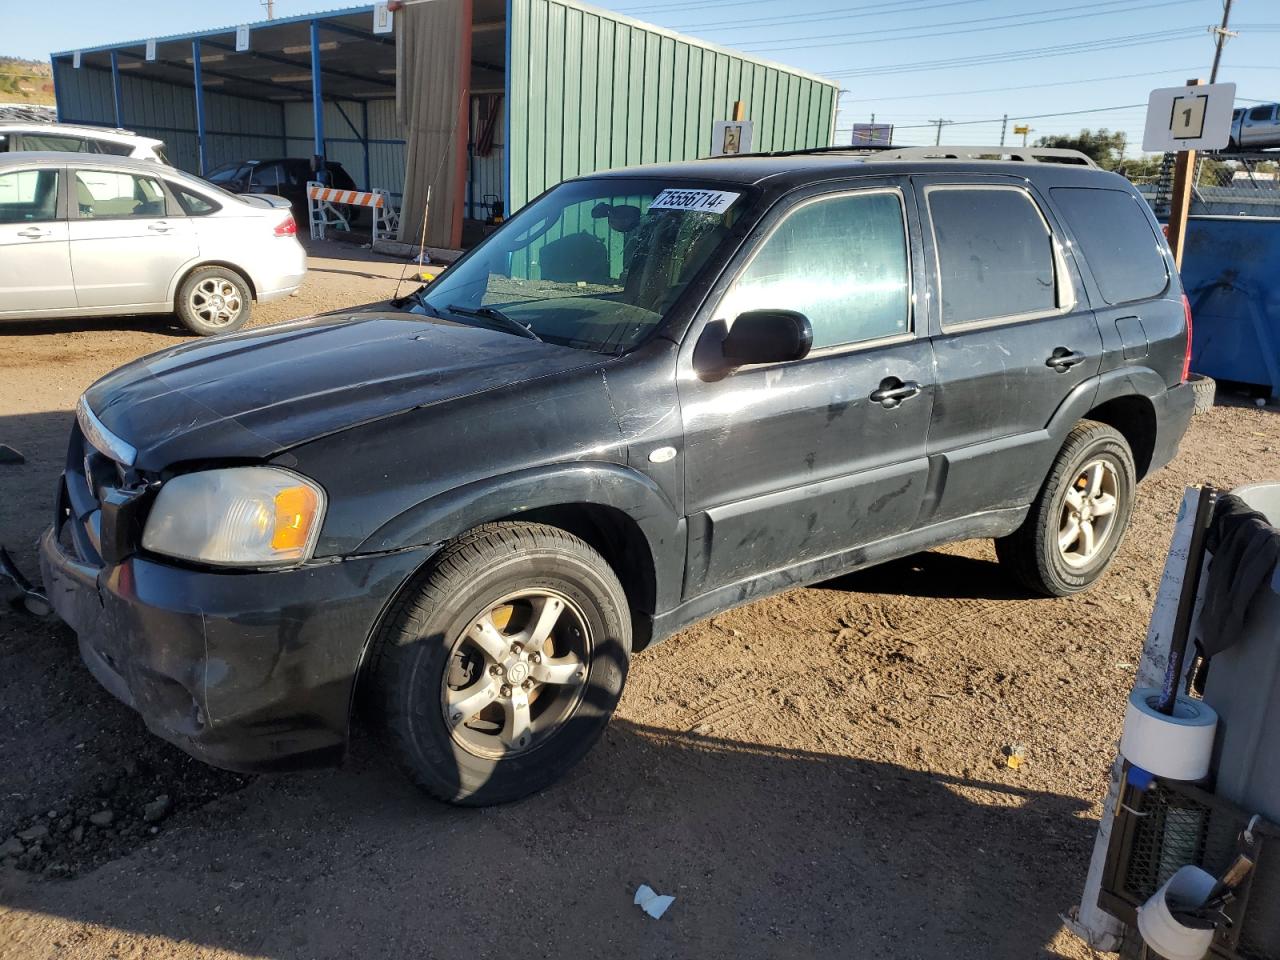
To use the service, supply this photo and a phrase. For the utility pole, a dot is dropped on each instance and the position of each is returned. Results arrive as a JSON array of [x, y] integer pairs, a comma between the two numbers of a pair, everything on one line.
[[1004, 125], [1221, 35], [938, 139], [271, 8]]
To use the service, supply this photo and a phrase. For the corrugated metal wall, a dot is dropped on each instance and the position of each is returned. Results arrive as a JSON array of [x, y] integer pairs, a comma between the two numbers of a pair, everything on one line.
[[487, 175], [342, 143], [589, 90], [235, 128]]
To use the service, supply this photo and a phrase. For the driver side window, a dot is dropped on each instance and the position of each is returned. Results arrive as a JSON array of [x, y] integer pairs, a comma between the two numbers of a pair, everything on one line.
[[841, 261]]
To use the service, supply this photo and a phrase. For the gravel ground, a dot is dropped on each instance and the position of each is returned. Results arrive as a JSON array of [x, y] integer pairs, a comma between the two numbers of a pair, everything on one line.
[[816, 774]]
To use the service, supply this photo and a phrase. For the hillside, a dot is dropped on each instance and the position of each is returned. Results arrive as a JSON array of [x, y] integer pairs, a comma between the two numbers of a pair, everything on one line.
[[25, 81]]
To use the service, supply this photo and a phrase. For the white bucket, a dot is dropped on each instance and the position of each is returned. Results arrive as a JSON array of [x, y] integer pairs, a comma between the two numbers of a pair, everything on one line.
[[1165, 935], [1178, 747]]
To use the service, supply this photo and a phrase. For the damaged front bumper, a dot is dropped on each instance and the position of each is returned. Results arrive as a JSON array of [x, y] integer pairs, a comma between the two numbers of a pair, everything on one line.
[[246, 670]]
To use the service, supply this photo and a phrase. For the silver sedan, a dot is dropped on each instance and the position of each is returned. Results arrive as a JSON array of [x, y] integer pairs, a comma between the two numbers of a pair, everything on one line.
[[87, 235]]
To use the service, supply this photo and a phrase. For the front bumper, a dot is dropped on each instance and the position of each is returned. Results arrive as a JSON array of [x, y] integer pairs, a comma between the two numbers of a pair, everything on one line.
[[1173, 416], [250, 671]]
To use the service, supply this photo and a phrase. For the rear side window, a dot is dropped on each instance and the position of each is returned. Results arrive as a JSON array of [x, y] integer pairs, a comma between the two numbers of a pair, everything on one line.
[[841, 261], [1115, 235], [192, 204], [110, 148], [106, 195], [995, 253], [1261, 113]]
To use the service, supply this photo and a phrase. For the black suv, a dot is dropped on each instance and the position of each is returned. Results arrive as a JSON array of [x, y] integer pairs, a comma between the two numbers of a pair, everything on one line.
[[283, 177], [652, 395]]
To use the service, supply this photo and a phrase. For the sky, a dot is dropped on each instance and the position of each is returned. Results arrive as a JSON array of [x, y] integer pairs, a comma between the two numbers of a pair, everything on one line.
[[907, 62]]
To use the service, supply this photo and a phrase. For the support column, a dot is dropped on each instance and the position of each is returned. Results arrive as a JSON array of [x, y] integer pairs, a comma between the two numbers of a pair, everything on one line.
[[57, 91], [115, 88], [317, 98], [198, 79], [364, 124]]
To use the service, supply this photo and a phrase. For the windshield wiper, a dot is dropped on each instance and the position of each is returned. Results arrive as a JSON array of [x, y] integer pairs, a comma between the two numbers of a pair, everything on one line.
[[492, 313]]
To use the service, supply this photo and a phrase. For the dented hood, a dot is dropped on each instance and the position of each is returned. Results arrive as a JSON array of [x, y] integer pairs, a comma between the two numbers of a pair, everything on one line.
[[254, 394]]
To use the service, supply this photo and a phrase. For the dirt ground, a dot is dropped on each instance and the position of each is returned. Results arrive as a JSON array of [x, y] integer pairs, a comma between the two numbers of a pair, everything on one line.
[[813, 775]]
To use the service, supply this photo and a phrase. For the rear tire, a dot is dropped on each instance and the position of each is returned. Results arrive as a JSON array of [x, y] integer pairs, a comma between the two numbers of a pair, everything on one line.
[[214, 300], [1079, 518], [478, 708], [1204, 389]]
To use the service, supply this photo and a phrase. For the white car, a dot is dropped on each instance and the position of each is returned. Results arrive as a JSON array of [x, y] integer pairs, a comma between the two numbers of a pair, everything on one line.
[[84, 235], [32, 137]]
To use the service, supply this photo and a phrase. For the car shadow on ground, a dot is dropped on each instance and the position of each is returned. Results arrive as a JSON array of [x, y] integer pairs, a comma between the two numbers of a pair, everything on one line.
[[933, 574], [161, 323], [770, 852]]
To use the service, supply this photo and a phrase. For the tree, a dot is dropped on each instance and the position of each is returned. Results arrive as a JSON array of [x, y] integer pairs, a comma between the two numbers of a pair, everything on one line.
[[1104, 147]]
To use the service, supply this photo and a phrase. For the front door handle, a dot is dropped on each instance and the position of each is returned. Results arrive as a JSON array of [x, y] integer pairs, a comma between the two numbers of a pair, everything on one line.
[[1063, 359], [160, 228], [893, 391], [34, 233]]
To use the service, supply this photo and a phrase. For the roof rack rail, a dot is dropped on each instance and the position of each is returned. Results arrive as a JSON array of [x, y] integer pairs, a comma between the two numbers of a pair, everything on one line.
[[1023, 154], [993, 153]]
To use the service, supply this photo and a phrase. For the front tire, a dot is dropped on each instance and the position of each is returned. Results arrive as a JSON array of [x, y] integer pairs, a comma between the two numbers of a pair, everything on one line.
[[1080, 516], [214, 300], [500, 669]]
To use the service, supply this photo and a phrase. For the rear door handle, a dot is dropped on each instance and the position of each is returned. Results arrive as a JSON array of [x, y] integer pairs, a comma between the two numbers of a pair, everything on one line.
[[1063, 359], [160, 228], [34, 233], [893, 391]]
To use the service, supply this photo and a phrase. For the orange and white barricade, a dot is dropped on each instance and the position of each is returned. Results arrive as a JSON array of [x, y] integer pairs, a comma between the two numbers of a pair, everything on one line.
[[323, 203]]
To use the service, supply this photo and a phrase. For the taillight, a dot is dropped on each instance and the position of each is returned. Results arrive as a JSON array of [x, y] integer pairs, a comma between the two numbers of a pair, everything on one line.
[[288, 227], [1186, 360]]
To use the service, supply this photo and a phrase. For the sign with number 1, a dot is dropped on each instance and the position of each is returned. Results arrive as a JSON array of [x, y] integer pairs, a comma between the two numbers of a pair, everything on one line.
[[1189, 118]]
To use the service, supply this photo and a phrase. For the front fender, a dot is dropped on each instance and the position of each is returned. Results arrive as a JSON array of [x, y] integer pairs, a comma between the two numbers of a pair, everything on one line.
[[449, 514]]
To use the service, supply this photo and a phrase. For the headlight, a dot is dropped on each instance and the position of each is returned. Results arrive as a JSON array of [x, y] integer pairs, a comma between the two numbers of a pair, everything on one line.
[[239, 516]]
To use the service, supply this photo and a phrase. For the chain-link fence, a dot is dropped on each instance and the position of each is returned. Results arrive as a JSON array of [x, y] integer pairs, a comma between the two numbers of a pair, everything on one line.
[[1225, 184]]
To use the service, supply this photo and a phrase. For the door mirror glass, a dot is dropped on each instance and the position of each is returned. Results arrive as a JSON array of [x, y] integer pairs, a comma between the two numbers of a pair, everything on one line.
[[763, 336]]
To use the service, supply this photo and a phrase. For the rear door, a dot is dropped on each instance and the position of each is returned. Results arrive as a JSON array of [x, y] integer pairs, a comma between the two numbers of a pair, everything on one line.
[[35, 261], [788, 463], [126, 243], [1138, 306], [1013, 336]]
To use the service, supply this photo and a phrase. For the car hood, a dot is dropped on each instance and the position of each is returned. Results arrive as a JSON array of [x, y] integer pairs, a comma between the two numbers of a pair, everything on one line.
[[254, 394]]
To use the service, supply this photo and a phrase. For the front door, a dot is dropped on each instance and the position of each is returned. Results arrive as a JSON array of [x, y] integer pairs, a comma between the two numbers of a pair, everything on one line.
[[1013, 337], [125, 248], [790, 463], [35, 262]]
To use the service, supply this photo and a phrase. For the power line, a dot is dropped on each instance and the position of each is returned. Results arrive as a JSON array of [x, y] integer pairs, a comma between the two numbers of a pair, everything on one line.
[[1013, 56], [1030, 86], [694, 5], [1027, 116], [821, 16], [912, 33]]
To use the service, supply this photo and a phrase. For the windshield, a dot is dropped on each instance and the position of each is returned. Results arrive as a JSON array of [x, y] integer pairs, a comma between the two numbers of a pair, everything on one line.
[[594, 264]]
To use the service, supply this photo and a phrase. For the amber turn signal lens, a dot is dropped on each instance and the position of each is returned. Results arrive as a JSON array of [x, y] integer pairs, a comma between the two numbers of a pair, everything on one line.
[[296, 509]]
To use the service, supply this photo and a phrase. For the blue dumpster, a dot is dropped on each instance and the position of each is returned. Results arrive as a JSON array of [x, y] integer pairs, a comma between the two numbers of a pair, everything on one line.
[[1231, 273]]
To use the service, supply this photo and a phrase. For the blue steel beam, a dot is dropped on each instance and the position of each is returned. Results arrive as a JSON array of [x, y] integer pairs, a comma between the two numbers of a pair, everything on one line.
[[317, 93], [198, 81], [115, 89], [57, 90]]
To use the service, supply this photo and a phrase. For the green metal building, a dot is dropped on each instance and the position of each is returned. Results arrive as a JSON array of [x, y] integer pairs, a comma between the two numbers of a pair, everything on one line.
[[488, 102]]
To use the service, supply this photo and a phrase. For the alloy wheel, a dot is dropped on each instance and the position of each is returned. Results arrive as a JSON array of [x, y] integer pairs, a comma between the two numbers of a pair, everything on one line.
[[516, 674], [216, 300], [1088, 513]]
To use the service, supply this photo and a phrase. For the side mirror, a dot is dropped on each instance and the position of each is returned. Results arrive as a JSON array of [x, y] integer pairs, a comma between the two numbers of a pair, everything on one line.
[[767, 336]]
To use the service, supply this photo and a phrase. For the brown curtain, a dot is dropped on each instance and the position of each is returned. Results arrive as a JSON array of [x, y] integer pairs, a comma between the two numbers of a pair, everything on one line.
[[433, 54]]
